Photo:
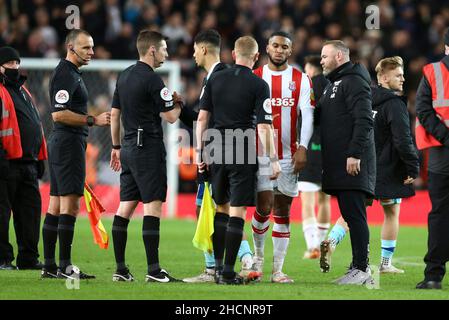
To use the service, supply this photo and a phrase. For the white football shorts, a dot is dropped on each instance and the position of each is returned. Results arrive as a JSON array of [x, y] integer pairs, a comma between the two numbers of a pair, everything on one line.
[[286, 183]]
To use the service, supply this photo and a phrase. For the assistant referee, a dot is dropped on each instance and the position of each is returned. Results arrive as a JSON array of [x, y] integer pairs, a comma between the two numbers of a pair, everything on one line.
[[66, 154], [237, 97], [142, 99]]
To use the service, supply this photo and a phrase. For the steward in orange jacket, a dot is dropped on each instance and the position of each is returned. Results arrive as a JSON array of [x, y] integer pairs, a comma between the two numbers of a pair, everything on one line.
[[432, 132], [22, 152]]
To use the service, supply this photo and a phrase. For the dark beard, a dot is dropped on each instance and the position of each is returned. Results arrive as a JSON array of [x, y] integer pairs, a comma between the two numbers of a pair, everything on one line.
[[277, 64]]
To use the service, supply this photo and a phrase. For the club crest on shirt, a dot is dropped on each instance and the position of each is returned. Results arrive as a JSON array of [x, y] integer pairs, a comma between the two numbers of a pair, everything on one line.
[[292, 85], [62, 96], [335, 88]]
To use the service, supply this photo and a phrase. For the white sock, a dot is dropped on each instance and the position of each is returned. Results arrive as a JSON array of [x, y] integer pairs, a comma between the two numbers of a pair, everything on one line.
[[260, 226], [281, 238], [310, 229], [247, 261], [323, 229]]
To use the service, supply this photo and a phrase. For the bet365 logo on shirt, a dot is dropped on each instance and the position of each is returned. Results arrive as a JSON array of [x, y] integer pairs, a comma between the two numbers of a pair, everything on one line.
[[282, 102]]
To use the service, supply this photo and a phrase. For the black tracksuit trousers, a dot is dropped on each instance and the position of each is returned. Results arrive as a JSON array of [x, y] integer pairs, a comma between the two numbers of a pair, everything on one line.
[[353, 210], [20, 196], [438, 227]]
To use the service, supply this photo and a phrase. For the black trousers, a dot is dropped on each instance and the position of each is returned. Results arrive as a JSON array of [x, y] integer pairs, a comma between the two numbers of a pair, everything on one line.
[[20, 196], [438, 227], [353, 210]]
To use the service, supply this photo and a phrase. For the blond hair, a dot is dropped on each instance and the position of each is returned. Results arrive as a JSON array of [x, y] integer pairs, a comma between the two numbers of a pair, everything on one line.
[[246, 47], [388, 64]]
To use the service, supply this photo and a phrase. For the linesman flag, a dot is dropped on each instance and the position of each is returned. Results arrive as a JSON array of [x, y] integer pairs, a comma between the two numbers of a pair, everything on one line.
[[205, 227], [94, 210]]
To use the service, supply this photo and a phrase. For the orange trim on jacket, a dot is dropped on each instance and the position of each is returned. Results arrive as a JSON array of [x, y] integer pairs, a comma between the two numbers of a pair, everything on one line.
[[9, 128]]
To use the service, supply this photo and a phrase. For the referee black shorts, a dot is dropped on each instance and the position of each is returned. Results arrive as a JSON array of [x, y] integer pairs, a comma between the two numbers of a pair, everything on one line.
[[234, 183], [67, 163], [144, 171]]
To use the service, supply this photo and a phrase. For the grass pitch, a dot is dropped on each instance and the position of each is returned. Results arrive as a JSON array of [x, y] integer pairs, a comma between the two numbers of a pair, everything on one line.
[[181, 259]]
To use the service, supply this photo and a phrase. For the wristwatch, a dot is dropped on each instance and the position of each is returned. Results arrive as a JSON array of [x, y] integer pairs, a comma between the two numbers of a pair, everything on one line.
[[116, 146], [90, 120]]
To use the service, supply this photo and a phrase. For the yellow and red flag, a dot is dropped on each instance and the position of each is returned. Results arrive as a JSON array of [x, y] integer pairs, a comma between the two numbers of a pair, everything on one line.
[[205, 226], [94, 210]]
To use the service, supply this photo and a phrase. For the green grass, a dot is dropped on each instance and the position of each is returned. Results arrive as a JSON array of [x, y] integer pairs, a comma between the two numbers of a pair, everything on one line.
[[178, 256]]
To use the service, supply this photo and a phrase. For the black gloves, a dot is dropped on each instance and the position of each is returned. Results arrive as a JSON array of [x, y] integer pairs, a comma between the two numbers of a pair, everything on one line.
[[40, 169]]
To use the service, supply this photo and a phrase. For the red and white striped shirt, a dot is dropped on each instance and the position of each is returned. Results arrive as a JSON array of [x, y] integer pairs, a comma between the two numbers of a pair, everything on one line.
[[291, 92]]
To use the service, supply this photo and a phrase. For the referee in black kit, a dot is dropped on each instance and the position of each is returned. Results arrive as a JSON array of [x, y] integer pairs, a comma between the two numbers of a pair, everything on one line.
[[235, 97], [66, 154], [142, 99]]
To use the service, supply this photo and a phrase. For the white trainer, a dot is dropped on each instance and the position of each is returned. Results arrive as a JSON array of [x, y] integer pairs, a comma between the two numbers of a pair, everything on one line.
[[390, 269], [280, 277], [206, 276], [356, 277]]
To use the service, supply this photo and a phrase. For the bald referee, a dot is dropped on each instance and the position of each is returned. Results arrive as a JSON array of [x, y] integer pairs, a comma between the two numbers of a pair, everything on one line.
[[237, 98], [66, 154]]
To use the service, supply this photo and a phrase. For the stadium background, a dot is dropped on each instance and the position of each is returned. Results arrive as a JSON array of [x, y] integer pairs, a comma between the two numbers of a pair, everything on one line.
[[411, 29]]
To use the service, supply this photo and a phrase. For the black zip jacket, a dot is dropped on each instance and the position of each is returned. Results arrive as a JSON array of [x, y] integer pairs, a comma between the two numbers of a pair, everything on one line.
[[346, 120], [396, 154]]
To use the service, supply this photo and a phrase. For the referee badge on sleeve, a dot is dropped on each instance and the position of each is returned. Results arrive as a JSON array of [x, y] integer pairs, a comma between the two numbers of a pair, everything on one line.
[[267, 105], [166, 95], [62, 96]]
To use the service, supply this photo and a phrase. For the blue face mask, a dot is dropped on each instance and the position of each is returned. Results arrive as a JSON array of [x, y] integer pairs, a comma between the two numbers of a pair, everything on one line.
[[12, 74]]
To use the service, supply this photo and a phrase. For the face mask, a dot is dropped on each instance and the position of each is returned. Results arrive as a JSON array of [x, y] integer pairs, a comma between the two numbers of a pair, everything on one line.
[[12, 74]]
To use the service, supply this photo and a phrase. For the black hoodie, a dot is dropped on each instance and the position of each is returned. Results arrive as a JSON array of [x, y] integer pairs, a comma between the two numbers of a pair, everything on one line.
[[396, 154], [346, 120]]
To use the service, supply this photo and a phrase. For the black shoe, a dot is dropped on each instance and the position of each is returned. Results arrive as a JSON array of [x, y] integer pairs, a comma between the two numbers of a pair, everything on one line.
[[162, 277], [122, 275], [237, 280], [7, 265], [49, 272], [35, 266], [428, 284], [73, 272]]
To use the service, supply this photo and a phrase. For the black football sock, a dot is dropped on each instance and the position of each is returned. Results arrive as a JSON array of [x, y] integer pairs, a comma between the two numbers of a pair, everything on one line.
[[66, 229], [218, 238], [233, 239], [119, 238], [49, 238], [150, 234]]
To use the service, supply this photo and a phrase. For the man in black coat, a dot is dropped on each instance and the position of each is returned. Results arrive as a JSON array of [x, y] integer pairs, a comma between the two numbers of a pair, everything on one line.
[[433, 115], [348, 152]]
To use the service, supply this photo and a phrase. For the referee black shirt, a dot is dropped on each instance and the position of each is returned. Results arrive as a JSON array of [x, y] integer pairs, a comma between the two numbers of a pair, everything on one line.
[[237, 99], [68, 91], [234, 96], [141, 95]]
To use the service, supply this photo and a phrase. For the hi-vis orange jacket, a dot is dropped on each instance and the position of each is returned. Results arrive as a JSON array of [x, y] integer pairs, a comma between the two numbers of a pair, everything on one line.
[[438, 77], [9, 128]]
